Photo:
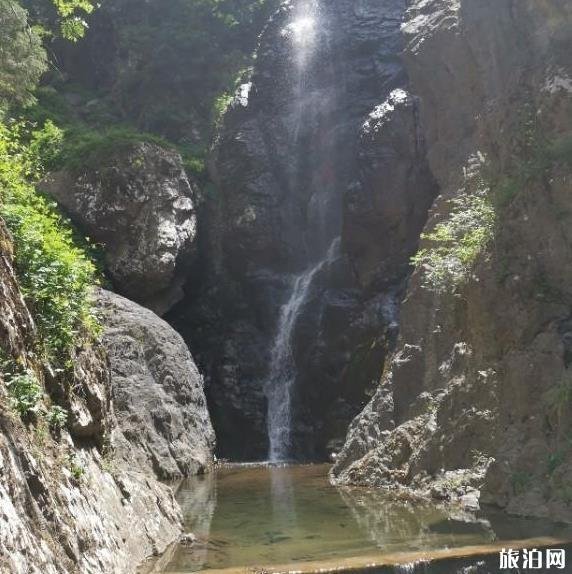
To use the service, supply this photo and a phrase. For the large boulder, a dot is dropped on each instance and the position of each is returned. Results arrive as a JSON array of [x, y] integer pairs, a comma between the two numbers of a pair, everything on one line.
[[385, 207], [138, 204], [157, 392]]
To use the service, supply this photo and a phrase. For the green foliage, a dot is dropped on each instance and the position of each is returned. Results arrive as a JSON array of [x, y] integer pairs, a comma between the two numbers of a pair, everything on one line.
[[520, 481], [457, 242], [25, 392], [84, 147], [555, 460], [61, 18], [220, 106], [559, 398], [22, 57], [57, 417], [534, 156], [165, 63], [55, 275], [75, 467]]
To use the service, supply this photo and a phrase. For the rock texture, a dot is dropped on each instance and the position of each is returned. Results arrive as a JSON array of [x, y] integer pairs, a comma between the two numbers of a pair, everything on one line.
[[60, 511], [475, 399], [139, 205], [286, 155], [157, 392], [385, 207]]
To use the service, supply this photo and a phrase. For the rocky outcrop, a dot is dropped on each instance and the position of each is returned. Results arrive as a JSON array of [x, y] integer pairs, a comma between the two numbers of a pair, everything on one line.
[[138, 204], [157, 391], [287, 153], [475, 399], [386, 206], [66, 507]]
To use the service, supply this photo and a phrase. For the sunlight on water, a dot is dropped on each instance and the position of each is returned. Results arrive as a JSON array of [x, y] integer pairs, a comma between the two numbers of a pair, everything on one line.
[[301, 30]]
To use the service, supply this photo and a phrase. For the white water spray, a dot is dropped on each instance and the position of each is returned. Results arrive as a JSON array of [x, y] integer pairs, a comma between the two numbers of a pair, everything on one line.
[[282, 376]]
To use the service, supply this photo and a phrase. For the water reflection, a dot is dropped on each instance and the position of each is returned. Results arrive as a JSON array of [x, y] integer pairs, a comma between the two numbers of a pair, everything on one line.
[[198, 500], [256, 516], [394, 525]]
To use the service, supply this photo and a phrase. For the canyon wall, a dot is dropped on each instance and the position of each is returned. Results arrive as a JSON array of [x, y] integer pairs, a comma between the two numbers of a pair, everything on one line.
[[475, 399], [80, 465]]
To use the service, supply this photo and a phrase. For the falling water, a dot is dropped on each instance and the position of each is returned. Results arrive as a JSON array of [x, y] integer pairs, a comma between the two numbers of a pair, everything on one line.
[[283, 369], [302, 32]]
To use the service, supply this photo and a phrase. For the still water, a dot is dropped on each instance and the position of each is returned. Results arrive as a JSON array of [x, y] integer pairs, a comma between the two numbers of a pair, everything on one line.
[[255, 516]]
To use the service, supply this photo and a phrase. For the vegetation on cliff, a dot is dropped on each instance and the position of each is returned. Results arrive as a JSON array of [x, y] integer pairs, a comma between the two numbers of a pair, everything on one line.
[[54, 273], [455, 244]]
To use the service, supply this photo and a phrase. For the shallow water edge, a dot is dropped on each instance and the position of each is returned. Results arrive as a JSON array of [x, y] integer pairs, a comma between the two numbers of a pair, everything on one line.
[[253, 518]]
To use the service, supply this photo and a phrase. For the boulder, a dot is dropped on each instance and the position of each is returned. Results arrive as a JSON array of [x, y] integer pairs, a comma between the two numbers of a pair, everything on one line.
[[157, 392], [138, 205]]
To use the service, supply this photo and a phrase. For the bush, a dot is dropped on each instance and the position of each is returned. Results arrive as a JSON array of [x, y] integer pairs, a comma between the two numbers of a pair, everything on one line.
[[84, 147], [54, 274], [57, 417], [456, 243], [25, 393], [559, 398], [22, 57]]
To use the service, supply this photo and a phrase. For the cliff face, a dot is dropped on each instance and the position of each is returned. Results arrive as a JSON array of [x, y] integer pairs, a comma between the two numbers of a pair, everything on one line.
[[69, 501], [275, 231], [476, 396]]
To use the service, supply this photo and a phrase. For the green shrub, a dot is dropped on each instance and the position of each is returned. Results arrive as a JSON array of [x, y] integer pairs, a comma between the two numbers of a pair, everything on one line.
[[559, 397], [85, 147], [555, 460], [75, 467], [57, 417], [25, 393], [456, 243], [22, 57], [54, 274]]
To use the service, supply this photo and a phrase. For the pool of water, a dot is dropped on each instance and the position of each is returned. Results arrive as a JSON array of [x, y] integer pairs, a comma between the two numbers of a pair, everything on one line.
[[258, 517]]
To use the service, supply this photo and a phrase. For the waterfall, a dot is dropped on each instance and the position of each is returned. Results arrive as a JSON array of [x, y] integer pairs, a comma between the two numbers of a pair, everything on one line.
[[282, 376], [304, 33]]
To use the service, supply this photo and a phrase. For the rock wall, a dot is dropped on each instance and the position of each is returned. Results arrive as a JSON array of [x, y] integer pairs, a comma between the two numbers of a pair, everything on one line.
[[71, 501], [289, 149], [475, 399]]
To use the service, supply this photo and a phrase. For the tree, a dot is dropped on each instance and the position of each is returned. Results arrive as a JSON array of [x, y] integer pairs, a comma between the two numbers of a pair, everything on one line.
[[22, 57]]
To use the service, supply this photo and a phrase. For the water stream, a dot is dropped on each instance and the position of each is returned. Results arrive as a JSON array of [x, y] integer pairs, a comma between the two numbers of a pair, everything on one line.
[[289, 518], [304, 32]]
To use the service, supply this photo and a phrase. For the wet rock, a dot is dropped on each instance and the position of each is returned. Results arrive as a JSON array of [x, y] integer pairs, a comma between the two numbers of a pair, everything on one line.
[[158, 396], [386, 207], [285, 157], [139, 205]]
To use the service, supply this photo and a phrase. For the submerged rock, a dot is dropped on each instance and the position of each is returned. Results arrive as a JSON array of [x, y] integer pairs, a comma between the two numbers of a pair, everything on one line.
[[157, 391], [138, 204]]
